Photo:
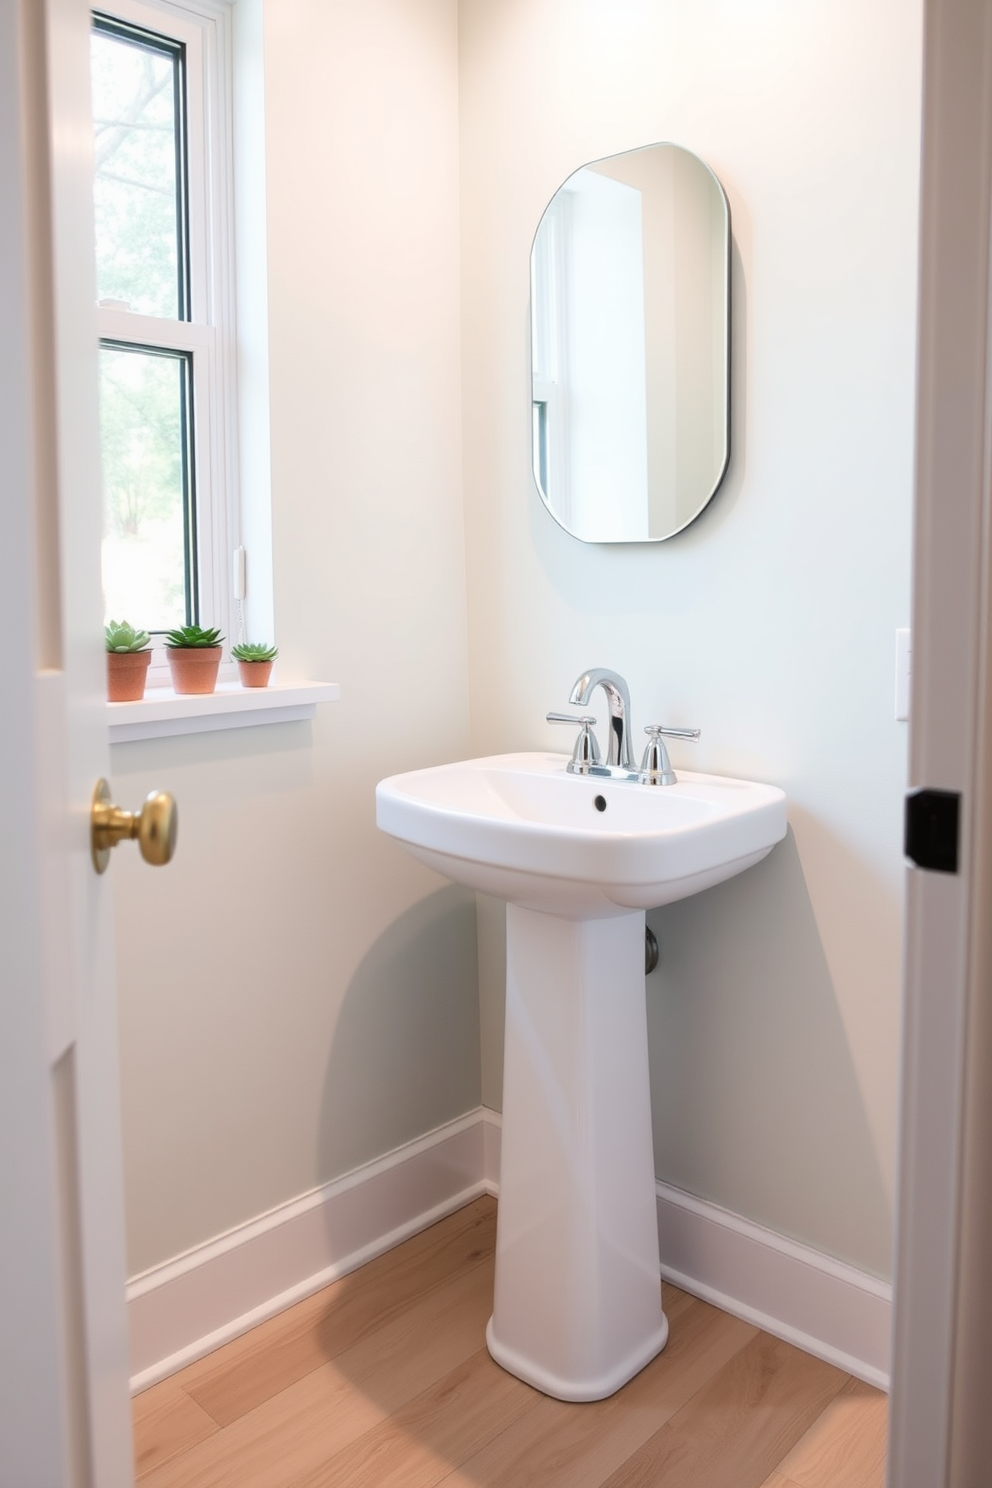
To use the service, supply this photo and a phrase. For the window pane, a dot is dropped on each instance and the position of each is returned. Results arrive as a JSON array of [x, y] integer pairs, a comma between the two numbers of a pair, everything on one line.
[[140, 252], [148, 523]]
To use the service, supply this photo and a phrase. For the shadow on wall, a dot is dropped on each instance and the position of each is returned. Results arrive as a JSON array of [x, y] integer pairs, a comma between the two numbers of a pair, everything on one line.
[[755, 1096], [405, 1051]]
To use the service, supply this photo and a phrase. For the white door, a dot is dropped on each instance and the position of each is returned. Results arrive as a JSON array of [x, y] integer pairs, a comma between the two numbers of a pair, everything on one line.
[[64, 1409]]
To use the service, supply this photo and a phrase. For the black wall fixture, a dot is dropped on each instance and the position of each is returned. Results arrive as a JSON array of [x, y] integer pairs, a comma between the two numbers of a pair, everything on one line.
[[933, 820]]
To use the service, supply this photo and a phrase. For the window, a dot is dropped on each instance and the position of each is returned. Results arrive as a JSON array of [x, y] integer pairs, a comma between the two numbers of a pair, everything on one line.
[[165, 290]]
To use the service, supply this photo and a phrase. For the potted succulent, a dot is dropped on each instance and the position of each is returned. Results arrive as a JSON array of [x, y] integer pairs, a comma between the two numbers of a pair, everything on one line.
[[128, 657], [194, 658], [254, 662]]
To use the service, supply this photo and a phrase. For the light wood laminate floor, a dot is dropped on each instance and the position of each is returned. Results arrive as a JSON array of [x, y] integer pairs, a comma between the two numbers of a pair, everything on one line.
[[383, 1381]]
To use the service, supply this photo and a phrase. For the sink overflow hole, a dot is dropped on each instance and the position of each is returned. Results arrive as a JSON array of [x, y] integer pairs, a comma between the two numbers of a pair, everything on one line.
[[599, 802]]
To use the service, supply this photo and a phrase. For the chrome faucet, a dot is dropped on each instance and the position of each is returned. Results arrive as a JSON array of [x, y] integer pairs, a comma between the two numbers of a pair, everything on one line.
[[656, 768], [618, 701]]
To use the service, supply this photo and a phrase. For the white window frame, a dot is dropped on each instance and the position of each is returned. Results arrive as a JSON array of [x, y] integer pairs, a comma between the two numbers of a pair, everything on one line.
[[210, 334]]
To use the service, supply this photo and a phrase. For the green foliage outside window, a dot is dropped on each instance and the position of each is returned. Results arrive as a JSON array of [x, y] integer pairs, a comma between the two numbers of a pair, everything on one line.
[[137, 237]]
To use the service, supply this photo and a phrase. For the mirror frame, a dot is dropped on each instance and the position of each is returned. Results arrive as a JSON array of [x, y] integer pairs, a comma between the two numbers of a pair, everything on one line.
[[726, 342]]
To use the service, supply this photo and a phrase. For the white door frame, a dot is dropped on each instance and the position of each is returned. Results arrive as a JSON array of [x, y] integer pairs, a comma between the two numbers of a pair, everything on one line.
[[940, 1361], [64, 1408]]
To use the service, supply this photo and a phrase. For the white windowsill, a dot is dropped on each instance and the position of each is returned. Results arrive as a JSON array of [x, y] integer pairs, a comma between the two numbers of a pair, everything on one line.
[[162, 712]]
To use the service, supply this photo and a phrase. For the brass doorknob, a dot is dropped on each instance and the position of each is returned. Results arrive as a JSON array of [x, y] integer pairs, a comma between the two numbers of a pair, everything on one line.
[[155, 827]]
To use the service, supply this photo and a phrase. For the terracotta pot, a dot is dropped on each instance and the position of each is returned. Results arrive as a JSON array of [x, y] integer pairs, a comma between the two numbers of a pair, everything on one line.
[[127, 673], [194, 668], [255, 673]]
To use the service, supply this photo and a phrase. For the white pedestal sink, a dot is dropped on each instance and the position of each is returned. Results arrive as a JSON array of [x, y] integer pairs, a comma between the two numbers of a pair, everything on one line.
[[577, 1307]]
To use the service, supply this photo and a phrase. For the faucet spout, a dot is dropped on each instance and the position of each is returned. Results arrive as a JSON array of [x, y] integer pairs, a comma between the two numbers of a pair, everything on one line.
[[618, 702]]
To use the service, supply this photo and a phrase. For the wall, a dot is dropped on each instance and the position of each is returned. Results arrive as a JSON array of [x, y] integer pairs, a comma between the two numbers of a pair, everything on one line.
[[298, 995], [261, 1061], [774, 1015]]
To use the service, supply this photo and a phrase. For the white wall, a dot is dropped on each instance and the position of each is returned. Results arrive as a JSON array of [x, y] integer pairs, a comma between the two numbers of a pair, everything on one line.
[[774, 1016], [298, 995]]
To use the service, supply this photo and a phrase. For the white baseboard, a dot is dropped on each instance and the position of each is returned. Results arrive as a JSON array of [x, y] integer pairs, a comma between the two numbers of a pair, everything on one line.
[[182, 1310], [823, 1306], [189, 1306], [492, 1131]]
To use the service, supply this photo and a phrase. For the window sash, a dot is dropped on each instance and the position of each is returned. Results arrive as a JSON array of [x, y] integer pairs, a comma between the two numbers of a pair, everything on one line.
[[208, 333], [114, 27], [188, 483]]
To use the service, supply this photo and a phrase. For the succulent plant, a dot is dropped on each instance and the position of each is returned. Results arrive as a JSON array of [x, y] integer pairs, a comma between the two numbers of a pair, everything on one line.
[[123, 637], [254, 651], [192, 637]]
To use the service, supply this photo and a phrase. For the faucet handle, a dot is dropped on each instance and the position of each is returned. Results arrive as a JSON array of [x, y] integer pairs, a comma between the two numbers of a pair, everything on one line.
[[656, 767], [661, 730], [586, 751]]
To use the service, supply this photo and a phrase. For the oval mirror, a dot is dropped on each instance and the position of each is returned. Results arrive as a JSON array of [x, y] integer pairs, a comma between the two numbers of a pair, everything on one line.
[[630, 345]]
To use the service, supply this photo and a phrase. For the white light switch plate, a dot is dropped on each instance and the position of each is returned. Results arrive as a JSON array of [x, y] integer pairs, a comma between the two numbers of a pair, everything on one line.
[[904, 674]]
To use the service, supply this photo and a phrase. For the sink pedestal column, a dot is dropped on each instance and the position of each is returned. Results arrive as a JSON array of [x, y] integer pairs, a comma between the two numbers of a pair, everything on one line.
[[577, 1308]]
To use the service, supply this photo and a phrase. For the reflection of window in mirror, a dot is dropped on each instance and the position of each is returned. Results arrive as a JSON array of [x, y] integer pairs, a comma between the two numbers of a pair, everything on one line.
[[589, 375], [606, 430], [546, 322]]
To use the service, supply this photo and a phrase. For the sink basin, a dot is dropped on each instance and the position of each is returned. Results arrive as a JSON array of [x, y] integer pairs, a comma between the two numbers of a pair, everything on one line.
[[520, 827], [577, 1302]]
